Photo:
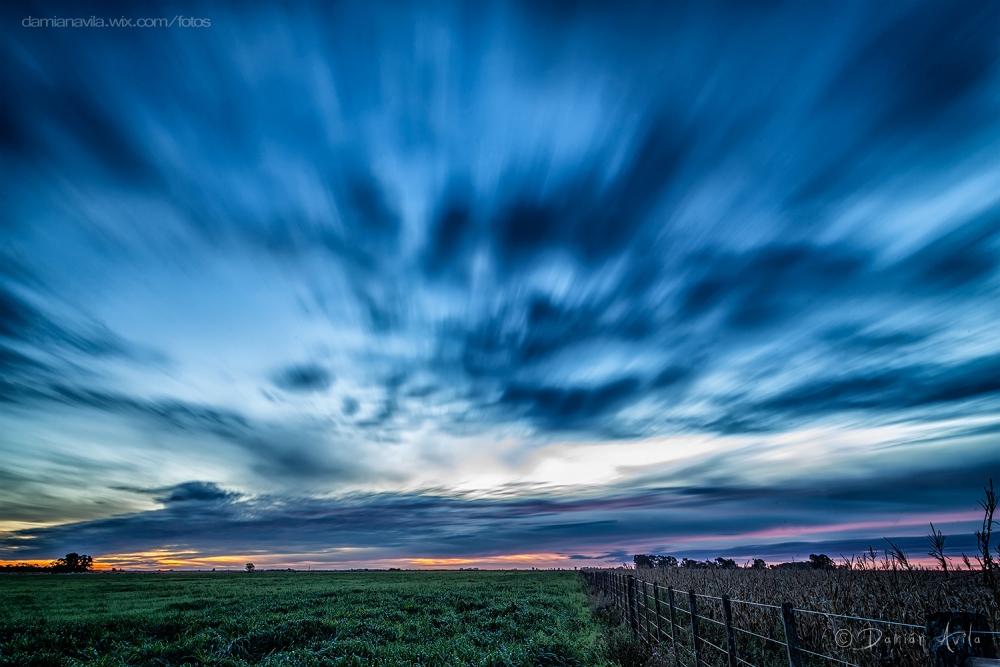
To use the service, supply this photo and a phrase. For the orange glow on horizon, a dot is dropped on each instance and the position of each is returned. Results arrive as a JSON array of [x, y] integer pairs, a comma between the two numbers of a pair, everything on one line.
[[523, 559], [192, 560], [28, 562], [98, 566]]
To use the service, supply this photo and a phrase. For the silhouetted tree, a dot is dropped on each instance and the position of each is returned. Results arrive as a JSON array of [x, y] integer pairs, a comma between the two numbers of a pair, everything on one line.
[[73, 562], [250, 567], [725, 563], [649, 560], [821, 562], [758, 564], [642, 560]]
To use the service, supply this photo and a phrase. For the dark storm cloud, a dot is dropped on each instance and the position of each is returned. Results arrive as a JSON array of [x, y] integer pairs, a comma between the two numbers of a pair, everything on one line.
[[893, 389], [212, 520], [274, 449], [957, 259], [919, 64], [916, 68], [772, 284], [532, 330], [72, 117], [304, 378], [195, 491], [452, 231], [178, 415], [594, 220], [22, 322], [569, 406]]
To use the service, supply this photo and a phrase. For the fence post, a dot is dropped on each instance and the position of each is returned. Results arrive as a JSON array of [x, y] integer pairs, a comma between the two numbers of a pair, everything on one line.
[[631, 605], [622, 596], [727, 615], [791, 636], [623, 592], [638, 609], [640, 614], [673, 627], [622, 605], [656, 602], [696, 639], [645, 611]]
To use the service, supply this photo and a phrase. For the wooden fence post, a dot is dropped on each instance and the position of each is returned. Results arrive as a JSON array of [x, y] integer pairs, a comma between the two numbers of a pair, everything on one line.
[[645, 611], [624, 591], [791, 636], [620, 595], [693, 604], [638, 609], [673, 627], [640, 615], [727, 615], [656, 603], [631, 605]]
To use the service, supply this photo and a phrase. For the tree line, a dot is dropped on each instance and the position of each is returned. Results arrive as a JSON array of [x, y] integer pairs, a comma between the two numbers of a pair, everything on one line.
[[71, 562], [815, 562]]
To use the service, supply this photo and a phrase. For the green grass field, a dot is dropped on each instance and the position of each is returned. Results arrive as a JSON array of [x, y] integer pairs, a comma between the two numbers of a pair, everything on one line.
[[319, 618]]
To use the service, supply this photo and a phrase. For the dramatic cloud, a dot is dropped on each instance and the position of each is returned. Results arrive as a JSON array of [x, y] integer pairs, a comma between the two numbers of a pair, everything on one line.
[[345, 260], [304, 378]]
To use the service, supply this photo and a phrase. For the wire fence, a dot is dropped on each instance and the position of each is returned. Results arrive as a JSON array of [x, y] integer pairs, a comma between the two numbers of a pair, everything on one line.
[[690, 629]]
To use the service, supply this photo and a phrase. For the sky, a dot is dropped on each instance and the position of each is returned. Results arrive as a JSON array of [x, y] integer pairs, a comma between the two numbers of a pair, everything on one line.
[[496, 284]]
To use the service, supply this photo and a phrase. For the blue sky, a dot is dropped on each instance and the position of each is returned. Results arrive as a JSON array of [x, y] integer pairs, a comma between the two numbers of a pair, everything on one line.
[[533, 283]]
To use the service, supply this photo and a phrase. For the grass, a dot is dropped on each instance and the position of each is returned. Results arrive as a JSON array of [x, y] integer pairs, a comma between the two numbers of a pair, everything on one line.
[[530, 619]]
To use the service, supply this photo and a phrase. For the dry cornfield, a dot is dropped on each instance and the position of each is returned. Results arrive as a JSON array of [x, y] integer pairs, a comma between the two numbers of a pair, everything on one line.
[[869, 612], [890, 605]]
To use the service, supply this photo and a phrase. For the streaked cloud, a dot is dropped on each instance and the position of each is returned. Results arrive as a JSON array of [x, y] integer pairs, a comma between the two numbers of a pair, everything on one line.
[[445, 264]]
